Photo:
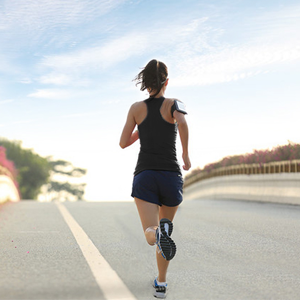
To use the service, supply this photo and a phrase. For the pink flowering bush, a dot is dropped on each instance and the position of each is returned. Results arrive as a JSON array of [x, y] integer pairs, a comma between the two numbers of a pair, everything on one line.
[[288, 152], [8, 165]]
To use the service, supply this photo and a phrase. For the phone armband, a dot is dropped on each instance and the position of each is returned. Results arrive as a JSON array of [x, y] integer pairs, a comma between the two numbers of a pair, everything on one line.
[[179, 106]]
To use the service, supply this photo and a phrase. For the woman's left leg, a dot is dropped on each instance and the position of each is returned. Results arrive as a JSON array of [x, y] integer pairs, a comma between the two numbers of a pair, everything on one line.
[[162, 264]]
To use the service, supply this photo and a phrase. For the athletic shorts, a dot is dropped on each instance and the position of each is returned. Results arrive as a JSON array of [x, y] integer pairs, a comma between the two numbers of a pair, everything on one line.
[[158, 187]]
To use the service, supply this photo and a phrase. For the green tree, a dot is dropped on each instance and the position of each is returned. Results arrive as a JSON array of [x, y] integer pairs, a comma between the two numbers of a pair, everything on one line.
[[33, 170], [59, 186]]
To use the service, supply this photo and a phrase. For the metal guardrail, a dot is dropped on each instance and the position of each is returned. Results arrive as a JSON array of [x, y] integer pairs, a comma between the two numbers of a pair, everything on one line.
[[290, 166]]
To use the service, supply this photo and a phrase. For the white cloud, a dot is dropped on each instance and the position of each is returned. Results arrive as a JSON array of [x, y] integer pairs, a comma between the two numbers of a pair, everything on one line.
[[26, 80], [17, 123], [21, 122], [7, 67], [35, 26], [40, 15], [194, 51], [232, 64], [6, 101], [219, 62], [85, 114], [57, 79], [98, 57], [78, 66], [51, 94]]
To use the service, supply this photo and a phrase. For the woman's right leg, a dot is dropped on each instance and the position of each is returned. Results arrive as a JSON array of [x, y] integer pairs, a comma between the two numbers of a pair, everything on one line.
[[149, 215], [162, 264]]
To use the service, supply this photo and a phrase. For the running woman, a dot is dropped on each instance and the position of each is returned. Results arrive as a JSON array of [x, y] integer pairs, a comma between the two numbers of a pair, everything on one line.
[[157, 183]]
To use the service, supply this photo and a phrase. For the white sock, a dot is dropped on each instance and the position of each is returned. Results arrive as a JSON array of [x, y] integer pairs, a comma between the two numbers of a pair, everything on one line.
[[161, 283]]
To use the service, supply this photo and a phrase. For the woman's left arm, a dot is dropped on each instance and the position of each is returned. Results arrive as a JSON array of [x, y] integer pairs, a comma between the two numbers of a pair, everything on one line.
[[128, 137]]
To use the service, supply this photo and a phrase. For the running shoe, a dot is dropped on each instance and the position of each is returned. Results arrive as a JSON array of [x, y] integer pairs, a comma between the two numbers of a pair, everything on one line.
[[160, 290], [168, 225], [165, 244]]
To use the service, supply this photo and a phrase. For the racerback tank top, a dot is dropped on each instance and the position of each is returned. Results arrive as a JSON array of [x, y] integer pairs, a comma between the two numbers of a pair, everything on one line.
[[157, 140]]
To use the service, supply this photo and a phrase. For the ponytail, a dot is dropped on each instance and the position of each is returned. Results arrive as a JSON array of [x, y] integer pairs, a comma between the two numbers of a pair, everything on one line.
[[159, 84], [153, 76]]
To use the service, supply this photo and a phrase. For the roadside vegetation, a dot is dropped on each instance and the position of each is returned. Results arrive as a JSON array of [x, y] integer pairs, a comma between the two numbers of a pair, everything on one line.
[[7, 167], [33, 173], [288, 152]]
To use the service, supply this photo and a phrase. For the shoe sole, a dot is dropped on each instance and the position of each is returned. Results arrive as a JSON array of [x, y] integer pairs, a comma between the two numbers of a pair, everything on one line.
[[167, 245], [159, 295]]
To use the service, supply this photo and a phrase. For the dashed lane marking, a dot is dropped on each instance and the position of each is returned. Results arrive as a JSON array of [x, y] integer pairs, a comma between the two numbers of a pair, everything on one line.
[[108, 280]]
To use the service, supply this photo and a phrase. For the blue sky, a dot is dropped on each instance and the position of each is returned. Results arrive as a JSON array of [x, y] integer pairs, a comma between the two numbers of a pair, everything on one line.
[[67, 68]]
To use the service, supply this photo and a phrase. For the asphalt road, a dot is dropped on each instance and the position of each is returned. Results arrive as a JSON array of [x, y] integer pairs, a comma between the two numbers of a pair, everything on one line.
[[226, 250]]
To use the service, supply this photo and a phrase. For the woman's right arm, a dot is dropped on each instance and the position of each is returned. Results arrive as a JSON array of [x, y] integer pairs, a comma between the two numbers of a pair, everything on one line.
[[184, 137], [128, 137]]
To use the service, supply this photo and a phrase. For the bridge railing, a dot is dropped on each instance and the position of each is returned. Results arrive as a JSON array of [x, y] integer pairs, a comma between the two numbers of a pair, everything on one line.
[[290, 166]]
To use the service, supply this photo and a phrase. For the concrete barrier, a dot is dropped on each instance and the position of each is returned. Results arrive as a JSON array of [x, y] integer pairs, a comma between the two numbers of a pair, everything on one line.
[[278, 188], [8, 190]]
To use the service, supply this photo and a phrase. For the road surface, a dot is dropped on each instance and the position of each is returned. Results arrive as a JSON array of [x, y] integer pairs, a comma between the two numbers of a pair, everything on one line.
[[226, 250]]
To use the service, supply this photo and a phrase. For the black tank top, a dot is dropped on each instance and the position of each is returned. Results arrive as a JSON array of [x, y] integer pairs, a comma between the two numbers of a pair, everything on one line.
[[157, 139]]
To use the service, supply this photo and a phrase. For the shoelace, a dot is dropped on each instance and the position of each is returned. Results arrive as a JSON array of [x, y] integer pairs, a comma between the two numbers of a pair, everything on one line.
[[157, 285], [160, 288]]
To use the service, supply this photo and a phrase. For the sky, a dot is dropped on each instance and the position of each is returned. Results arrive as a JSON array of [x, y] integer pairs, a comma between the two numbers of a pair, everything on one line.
[[66, 71]]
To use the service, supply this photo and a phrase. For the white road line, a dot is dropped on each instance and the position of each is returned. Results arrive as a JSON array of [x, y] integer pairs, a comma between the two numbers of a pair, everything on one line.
[[108, 280]]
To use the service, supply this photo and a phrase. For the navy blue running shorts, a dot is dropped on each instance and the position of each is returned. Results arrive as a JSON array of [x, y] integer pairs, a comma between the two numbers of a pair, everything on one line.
[[158, 187]]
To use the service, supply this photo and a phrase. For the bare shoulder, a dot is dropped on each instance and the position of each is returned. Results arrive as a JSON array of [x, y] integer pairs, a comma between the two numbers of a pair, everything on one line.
[[139, 111], [137, 106], [171, 100]]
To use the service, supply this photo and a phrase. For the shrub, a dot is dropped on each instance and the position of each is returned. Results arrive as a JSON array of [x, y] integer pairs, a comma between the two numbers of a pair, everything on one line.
[[287, 152]]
